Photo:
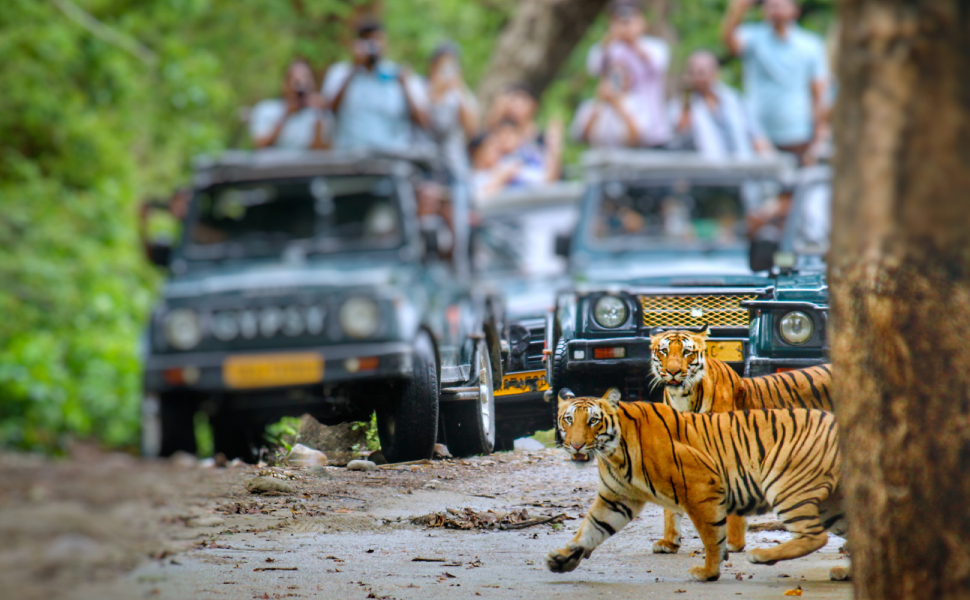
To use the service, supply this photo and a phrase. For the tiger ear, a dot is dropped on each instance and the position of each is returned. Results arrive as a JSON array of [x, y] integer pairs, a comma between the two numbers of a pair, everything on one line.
[[565, 395], [706, 329], [613, 396]]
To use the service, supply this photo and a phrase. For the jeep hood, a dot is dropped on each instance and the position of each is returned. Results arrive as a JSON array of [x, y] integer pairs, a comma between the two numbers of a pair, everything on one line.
[[669, 270], [277, 278]]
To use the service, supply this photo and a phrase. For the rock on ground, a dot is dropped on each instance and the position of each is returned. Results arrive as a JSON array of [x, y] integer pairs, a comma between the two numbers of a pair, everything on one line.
[[304, 456], [337, 441], [361, 465]]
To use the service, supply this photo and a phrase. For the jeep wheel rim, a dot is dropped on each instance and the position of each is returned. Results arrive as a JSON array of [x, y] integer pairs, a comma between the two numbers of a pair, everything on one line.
[[486, 393]]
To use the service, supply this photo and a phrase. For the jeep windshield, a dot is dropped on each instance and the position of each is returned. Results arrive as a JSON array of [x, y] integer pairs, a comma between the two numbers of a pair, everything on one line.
[[324, 214], [669, 215]]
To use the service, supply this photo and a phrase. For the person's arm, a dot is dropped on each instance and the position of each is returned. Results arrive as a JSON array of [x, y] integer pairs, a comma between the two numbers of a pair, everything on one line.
[[468, 113], [553, 158], [416, 113], [500, 178], [338, 98], [587, 129], [732, 18], [632, 130], [260, 116]]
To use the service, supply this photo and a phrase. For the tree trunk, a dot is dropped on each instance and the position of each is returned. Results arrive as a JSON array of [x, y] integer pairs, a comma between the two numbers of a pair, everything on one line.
[[536, 42], [900, 280]]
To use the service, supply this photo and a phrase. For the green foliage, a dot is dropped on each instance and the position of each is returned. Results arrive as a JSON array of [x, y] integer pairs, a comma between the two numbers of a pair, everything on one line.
[[283, 433], [370, 431]]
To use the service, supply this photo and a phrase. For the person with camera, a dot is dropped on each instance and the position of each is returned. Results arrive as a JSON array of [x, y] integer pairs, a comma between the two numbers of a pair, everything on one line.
[[710, 117], [785, 73], [454, 111], [612, 119], [298, 120], [377, 104], [646, 59]]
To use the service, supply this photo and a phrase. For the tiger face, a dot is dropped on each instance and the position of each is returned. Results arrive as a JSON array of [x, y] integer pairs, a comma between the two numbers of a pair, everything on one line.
[[677, 357], [588, 425]]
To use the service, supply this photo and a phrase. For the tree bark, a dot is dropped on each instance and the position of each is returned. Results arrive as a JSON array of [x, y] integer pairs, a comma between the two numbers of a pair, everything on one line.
[[900, 280], [536, 42]]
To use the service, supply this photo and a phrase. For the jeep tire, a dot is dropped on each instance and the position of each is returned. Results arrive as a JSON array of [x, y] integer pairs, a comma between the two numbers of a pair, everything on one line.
[[177, 419], [237, 434], [408, 426], [470, 424]]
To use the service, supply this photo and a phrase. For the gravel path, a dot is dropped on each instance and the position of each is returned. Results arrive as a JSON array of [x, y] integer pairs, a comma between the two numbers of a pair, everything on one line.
[[111, 526]]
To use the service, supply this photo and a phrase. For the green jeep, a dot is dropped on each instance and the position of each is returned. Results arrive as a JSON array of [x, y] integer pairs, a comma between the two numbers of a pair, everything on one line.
[[305, 284], [661, 244], [788, 329]]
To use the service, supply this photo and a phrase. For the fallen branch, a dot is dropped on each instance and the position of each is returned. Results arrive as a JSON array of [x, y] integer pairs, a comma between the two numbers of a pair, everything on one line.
[[532, 522], [105, 33], [423, 461], [276, 569], [420, 559]]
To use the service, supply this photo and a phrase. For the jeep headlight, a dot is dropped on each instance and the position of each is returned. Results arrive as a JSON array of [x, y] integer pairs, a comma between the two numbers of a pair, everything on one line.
[[183, 330], [359, 317], [610, 312], [796, 327]]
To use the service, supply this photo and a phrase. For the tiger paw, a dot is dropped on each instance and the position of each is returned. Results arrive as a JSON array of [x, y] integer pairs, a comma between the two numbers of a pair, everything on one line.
[[665, 547], [760, 557], [566, 559], [840, 574], [735, 547], [702, 574]]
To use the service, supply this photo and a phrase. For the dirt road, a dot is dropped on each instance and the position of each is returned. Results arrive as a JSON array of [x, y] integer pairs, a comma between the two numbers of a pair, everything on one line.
[[111, 526]]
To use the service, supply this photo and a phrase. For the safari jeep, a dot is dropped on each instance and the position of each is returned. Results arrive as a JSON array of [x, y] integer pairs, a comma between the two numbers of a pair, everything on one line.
[[304, 284], [788, 329], [514, 255], [661, 244]]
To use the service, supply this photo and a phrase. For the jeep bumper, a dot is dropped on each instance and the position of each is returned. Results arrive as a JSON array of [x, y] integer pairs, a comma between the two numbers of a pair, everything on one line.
[[207, 371]]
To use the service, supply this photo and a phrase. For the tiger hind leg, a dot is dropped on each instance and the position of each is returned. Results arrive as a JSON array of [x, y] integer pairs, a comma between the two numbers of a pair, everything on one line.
[[736, 528], [808, 534], [670, 543]]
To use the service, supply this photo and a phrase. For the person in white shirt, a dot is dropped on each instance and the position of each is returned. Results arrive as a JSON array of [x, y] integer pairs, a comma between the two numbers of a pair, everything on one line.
[[377, 103], [710, 117], [298, 120], [648, 59], [613, 119]]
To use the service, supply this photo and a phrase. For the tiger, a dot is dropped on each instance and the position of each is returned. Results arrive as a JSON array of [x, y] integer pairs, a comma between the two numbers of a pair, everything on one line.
[[695, 382], [708, 465]]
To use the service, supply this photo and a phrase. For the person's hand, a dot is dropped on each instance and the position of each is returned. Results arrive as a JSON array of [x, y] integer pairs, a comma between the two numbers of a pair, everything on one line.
[[606, 92], [555, 133], [763, 147], [742, 5], [317, 101]]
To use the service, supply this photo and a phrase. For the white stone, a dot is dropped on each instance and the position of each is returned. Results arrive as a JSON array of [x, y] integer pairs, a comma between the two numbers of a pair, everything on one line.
[[361, 465], [528, 443], [305, 456]]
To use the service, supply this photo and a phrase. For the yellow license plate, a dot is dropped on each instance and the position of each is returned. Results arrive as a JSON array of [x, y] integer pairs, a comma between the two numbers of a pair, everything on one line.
[[523, 383], [272, 370], [727, 351]]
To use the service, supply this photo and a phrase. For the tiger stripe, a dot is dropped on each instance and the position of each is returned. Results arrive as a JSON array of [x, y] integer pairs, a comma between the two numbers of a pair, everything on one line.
[[708, 465], [695, 382]]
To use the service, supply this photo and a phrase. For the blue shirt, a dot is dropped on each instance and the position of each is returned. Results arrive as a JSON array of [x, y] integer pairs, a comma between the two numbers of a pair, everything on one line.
[[374, 112], [778, 74]]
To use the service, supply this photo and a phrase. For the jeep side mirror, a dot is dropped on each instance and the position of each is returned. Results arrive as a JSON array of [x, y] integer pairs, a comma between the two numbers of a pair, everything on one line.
[[762, 254], [430, 238], [159, 253], [563, 243]]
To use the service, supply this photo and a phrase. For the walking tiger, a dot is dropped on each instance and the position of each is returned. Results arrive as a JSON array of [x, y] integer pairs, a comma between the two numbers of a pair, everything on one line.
[[709, 465], [695, 382]]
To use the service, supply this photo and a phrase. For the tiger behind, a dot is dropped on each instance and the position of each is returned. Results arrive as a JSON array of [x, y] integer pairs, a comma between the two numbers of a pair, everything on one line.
[[708, 465], [695, 382]]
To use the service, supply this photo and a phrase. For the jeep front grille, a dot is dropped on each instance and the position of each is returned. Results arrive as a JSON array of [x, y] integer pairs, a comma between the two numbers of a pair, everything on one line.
[[694, 311]]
